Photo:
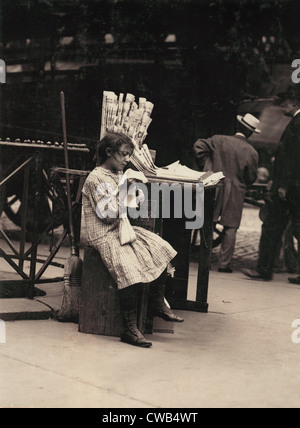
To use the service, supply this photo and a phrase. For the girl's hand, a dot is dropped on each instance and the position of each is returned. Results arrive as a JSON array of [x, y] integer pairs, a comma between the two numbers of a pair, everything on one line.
[[134, 176], [131, 181]]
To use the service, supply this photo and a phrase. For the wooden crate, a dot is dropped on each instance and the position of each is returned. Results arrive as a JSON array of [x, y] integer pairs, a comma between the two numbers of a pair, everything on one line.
[[99, 307]]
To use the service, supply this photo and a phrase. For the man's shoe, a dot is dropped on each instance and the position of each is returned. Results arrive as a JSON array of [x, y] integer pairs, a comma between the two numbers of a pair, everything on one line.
[[225, 270], [254, 274], [294, 280]]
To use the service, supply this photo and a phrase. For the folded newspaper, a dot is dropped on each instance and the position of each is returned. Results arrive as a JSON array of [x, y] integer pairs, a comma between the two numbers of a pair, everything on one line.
[[182, 172]]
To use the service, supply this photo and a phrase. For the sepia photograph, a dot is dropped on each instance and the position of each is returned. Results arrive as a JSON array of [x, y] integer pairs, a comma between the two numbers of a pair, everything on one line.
[[149, 206]]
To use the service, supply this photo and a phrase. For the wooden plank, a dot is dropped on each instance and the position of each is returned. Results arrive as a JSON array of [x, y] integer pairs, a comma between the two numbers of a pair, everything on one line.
[[205, 248], [16, 170], [161, 326], [99, 309], [24, 217], [9, 243], [13, 264]]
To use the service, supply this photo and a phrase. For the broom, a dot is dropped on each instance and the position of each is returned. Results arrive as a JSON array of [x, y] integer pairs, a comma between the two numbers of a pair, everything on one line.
[[69, 311]]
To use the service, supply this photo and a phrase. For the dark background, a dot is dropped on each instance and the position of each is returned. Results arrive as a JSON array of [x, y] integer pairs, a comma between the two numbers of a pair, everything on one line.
[[224, 52]]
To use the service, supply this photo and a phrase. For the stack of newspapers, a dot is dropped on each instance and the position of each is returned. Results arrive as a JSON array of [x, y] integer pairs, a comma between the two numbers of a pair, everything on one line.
[[123, 114], [183, 173]]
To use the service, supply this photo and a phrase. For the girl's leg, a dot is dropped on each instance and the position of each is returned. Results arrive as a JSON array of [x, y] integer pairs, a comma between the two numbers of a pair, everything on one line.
[[128, 306], [157, 300]]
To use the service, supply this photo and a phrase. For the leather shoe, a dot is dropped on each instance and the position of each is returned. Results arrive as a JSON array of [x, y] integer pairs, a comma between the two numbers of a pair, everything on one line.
[[294, 280], [254, 274], [135, 339], [225, 270], [167, 315]]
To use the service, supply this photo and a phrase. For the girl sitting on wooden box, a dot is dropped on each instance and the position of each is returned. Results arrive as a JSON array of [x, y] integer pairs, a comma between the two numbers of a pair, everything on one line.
[[145, 256]]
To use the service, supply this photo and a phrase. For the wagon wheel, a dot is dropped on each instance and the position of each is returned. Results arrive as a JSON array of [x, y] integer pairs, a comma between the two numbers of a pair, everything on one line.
[[52, 205], [218, 233]]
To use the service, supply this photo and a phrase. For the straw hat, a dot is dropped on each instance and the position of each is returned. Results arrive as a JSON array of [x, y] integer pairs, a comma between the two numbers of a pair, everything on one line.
[[250, 122]]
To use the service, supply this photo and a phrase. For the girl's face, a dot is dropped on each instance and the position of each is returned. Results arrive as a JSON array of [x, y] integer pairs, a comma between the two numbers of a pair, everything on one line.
[[118, 161]]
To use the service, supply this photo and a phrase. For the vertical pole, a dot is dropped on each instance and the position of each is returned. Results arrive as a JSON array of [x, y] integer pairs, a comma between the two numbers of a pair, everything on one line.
[[77, 215], [1, 38], [1, 57], [205, 247], [24, 216], [35, 233]]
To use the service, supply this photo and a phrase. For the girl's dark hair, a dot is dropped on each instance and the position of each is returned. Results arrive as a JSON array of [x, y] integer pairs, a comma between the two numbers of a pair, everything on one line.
[[112, 140]]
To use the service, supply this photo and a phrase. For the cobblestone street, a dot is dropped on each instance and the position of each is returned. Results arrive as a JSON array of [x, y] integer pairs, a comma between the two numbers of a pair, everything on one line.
[[246, 248]]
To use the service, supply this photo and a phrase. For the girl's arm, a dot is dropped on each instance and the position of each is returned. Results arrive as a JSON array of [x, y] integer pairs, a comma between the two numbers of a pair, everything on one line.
[[104, 199]]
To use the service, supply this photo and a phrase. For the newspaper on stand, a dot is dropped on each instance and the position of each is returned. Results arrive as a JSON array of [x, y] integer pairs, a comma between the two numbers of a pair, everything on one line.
[[124, 115], [182, 172]]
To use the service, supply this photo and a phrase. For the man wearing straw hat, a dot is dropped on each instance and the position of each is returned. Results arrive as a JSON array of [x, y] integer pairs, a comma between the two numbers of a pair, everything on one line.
[[238, 161]]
